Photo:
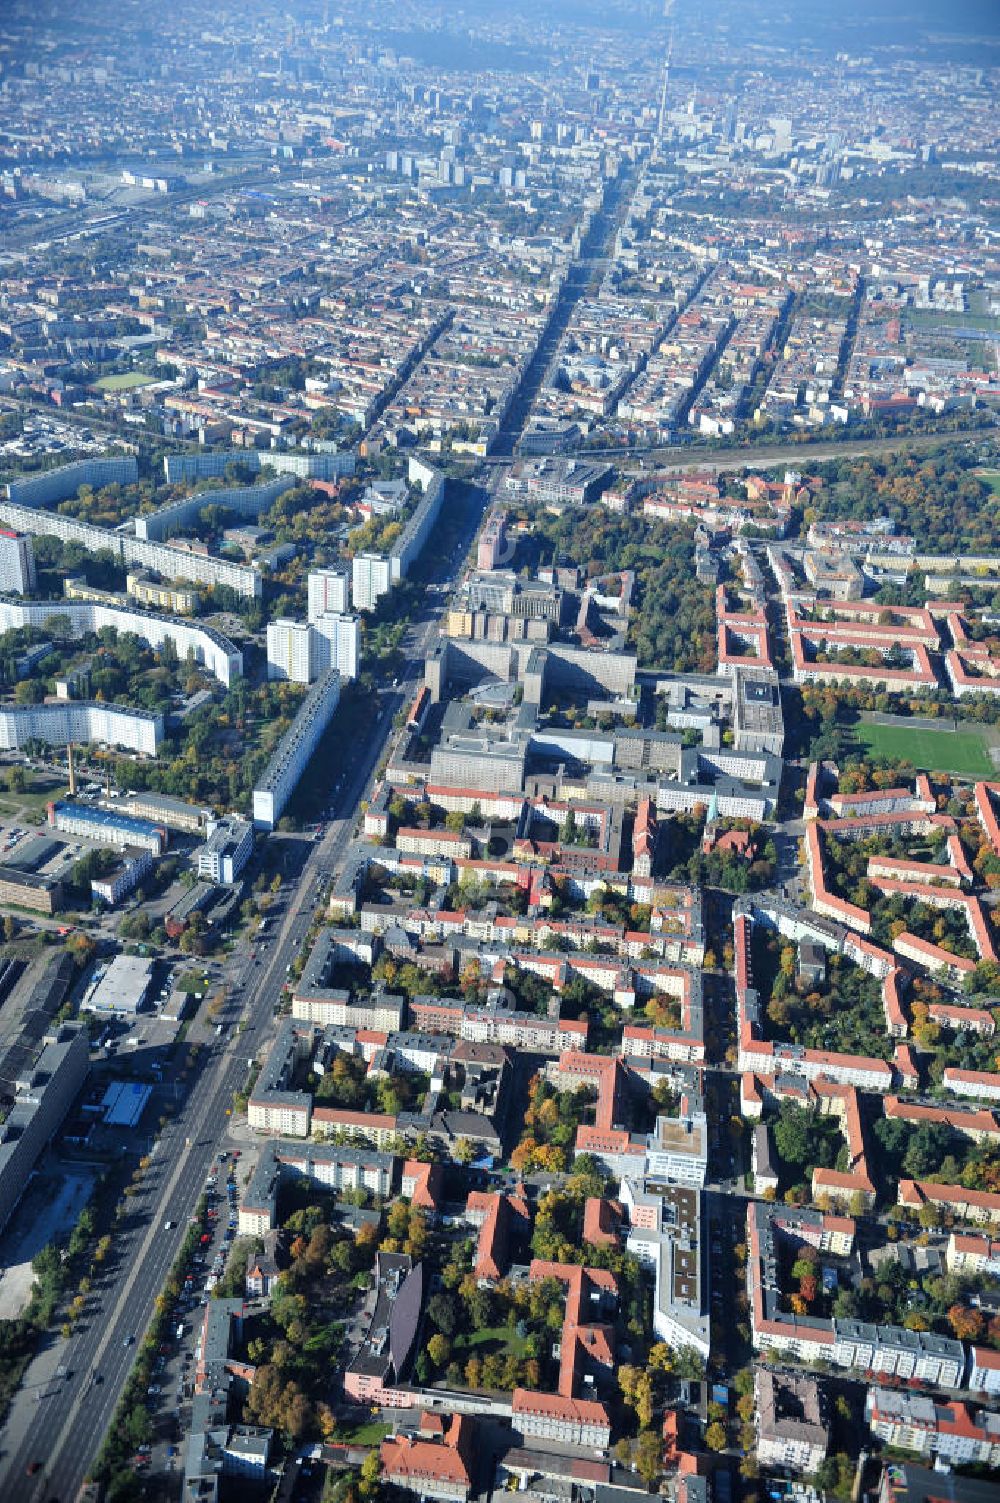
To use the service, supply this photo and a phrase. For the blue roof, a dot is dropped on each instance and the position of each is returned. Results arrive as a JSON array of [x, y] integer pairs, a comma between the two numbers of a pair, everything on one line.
[[107, 818]]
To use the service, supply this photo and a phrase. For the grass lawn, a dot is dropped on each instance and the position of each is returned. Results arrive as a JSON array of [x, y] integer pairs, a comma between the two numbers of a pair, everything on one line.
[[124, 382], [27, 805], [498, 1339], [961, 752], [992, 479], [930, 318], [363, 1435]]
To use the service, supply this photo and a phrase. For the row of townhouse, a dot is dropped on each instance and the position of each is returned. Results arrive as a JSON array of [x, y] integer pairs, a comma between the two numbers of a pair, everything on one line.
[[808, 668], [332, 1165], [978, 1124], [818, 629], [953, 1433], [970, 666], [676, 929], [799, 389], [943, 963], [972, 1205], [758, 1056], [981, 1085], [497, 1025], [675, 1152], [964, 903], [844, 1187], [920, 1356], [743, 640], [576, 1414], [665, 940], [984, 794]]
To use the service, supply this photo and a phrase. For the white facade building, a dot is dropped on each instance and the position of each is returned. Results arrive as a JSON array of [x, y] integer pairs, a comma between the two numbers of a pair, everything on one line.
[[294, 750], [302, 652], [17, 563], [325, 463], [226, 851], [159, 558], [336, 643], [329, 590], [82, 722], [217, 654], [59, 484], [117, 884], [289, 651], [371, 578]]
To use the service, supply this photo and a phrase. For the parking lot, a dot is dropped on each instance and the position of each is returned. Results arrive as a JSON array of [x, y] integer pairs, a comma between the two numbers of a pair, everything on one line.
[[170, 1392]]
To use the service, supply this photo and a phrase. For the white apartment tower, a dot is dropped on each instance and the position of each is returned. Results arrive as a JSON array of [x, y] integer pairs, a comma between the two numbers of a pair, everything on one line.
[[17, 563], [289, 651], [370, 579], [336, 643], [329, 590]]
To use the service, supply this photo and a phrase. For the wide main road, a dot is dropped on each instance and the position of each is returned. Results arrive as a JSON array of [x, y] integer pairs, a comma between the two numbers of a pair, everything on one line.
[[64, 1428], [68, 1426]]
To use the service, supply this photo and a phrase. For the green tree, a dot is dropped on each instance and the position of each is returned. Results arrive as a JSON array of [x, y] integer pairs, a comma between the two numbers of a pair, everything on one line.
[[439, 1349], [368, 1477], [649, 1456], [791, 1134]]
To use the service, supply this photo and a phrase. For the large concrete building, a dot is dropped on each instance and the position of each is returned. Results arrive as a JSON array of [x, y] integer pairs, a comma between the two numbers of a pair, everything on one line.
[[178, 516], [324, 464], [555, 666], [17, 563], [336, 643], [43, 1094], [758, 722], [107, 827], [373, 575], [216, 653], [302, 652], [226, 851], [329, 590], [56, 485], [83, 722], [294, 750], [168, 559], [665, 1234], [371, 578], [481, 762], [289, 654]]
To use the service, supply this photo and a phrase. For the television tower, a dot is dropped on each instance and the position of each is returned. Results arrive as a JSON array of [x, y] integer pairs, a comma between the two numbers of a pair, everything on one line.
[[662, 116]]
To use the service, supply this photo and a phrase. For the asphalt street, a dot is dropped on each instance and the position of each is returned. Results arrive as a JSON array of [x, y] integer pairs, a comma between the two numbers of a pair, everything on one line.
[[61, 1422], [69, 1425]]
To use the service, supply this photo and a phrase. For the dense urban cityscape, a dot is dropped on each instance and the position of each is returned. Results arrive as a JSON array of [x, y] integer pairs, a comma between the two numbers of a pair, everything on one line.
[[499, 752]]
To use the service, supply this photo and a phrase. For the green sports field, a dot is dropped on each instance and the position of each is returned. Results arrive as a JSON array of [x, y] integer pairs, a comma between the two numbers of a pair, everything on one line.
[[961, 752], [122, 383]]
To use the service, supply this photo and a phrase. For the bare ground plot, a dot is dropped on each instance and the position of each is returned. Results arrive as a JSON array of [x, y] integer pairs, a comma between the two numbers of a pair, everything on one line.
[[49, 1208]]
